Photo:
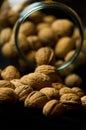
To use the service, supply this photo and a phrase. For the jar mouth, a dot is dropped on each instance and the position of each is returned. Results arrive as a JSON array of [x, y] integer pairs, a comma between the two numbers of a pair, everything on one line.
[[37, 6]]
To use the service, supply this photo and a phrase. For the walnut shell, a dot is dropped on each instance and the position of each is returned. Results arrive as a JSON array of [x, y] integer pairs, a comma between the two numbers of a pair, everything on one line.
[[27, 28], [36, 99], [63, 46], [7, 95], [6, 83], [46, 36], [45, 55], [10, 72], [53, 108], [5, 35], [80, 92], [36, 80], [72, 80], [62, 27], [58, 86], [70, 98], [34, 42], [23, 91], [16, 82], [65, 90], [83, 101], [51, 93], [49, 70]]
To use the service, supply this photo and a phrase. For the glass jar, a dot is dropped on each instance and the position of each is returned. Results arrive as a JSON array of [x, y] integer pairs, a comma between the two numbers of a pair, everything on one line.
[[35, 14]]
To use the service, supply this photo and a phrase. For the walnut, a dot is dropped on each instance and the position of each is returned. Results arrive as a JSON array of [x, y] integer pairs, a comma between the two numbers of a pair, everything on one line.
[[49, 70], [80, 59], [70, 98], [36, 17], [45, 55], [12, 16], [22, 41], [46, 36], [16, 82], [5, 35], [9, 51], [72, 80], [41, 26], [7, 95], [80, 92], [63, 27], [65, 90], [49, 19], [63, 46], [36, 80], [83, 101], [58, 86], [31, 56], [34, 42], [36, 99], [53, 108], [7, 84], [27, 28], [9, 73], [51, 93], [23, 91], [84, 47]]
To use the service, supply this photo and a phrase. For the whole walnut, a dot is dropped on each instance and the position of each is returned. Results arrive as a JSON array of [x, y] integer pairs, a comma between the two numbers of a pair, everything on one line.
[[63, 46], [80, 59], [7, 95], [70, 98], [36, 80], [16, 82], [80, 92], [53, 108], [7, 84], [63, 27], [46, 36], [49, 19], [58, 86], [65, 90], [36, 99], [49, 70], [45, 55], [34, 42], [10, 72], [9, 51], [51, 93], [72, 80], [23, 91], [42, 25], [83, 101], [5, 35], [27, 28]]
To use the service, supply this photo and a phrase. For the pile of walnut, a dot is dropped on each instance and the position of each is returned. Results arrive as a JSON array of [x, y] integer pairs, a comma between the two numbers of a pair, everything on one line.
[[40, 30], [48, 42], [43, 90]]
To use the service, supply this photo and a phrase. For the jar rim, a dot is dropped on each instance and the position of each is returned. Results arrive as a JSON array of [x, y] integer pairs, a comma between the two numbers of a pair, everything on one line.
[[36, 6]]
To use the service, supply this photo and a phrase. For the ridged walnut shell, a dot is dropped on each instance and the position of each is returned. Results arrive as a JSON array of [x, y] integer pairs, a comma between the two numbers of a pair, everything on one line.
[[36, 99], [36, 80]]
